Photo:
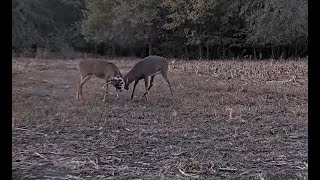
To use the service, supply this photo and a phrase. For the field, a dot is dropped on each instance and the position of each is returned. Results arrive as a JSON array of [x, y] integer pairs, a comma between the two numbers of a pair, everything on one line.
[[226, 120]]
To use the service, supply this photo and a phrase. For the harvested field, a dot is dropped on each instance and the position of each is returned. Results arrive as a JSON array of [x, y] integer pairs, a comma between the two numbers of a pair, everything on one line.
[[227, 120]]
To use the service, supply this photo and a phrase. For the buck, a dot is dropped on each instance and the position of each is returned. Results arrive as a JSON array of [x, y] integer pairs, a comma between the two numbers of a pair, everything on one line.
[[149, 66], [101, 69]]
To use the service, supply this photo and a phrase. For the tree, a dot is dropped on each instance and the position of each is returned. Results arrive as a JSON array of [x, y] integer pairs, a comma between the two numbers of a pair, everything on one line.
[[45, 23], [173, 28], [189, 20], [122, 22], [276, 24]]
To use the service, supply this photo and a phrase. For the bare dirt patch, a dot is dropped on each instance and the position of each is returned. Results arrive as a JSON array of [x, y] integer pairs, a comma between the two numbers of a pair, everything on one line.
[[226, 120]]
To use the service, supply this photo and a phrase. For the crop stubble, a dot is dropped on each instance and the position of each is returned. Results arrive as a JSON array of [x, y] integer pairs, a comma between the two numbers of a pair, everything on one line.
[[227, 120]]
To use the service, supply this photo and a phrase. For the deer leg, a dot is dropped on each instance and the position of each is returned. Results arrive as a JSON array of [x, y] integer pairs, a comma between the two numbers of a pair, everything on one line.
[[164, 75], [81, 83], [151, 84], [106, 91], [77, 95], [146, 81], [134, 87], [109, 93], [117, 91], [78, 90]]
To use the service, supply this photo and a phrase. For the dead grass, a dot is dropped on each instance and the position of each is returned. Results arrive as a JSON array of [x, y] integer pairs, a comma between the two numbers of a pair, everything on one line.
[[227, 120]]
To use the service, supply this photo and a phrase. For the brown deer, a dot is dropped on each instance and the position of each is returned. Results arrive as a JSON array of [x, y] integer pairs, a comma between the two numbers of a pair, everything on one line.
[[149, 66], [101, 69]]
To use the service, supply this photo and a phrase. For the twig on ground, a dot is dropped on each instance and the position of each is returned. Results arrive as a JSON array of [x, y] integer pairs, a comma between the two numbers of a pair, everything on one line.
[[40, 155], [244, 173], [228, 169], [95, 164], [188, 174]]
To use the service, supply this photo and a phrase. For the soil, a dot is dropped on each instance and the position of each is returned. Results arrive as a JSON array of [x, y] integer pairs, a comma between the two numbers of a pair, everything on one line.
[[225, 120]]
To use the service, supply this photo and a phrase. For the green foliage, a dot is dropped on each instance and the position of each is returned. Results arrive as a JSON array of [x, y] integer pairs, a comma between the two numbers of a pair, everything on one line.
[[122, 22], [190, 19], [276, 22], [173, 28], [51, 24]]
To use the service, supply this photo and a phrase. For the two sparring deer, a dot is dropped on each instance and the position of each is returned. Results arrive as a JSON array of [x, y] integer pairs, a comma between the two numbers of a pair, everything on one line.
[[147, 67]]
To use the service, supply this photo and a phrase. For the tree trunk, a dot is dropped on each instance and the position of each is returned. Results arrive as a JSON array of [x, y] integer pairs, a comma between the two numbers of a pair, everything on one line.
[[284, 54], [296, 51], [113, 53], [186, 54], [260, 54], [208, 55], [223, 52], [200, 51], [132, 52], [278, 52], [230, 53], [241, 55], [143, 53], [150, 48], [254, 53], [289, 51], [95, 50], [272, 52], [221, 47]]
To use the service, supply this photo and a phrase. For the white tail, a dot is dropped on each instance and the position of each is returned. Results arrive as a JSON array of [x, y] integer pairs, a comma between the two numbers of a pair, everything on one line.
[[149, 66], [101, 69]]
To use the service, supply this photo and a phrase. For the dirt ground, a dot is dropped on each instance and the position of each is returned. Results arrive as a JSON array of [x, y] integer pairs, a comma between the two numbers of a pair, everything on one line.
[[226, 120]]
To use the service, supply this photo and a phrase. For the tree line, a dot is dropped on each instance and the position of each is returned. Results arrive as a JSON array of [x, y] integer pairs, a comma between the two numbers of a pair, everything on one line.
[[203, 29]]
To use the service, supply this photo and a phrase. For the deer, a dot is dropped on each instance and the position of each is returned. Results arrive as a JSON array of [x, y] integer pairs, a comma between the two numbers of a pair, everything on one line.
[[148, 67], [101, 69]]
